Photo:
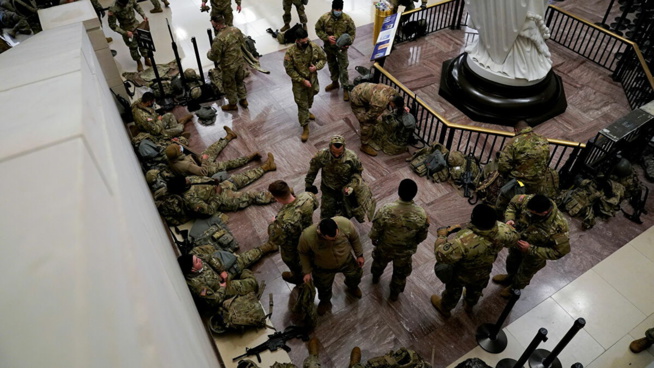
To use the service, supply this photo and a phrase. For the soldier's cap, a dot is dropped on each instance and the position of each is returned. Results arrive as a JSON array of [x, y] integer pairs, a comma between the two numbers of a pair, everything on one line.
[[337, 141], [337, 4], [172, 151], [539, 203], [483, 217], [344, 40], [185, 263]]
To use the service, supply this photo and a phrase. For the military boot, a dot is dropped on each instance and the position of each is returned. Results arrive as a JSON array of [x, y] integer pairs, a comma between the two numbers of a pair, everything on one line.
[[502, 279], [365, 148], [355, 357], [375, 279], [313, 346], [291, 278], [285, 28], [468, 307], [166, 4], [355, 292], [305, 133], [393, 296], [244, 103], [507, 292], [148, 62], [186, 119], [269, 247], [269, 165], [436, 302], [156, 10], [229, 107], [346, 95], [139, 66], [639, 345], [254, 157], [312, 116], [323, 307], [231, 134], [109, 40], [332, 86]]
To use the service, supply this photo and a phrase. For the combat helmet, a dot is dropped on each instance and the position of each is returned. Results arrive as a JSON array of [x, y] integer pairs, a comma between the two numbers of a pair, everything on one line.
[[623, 168]]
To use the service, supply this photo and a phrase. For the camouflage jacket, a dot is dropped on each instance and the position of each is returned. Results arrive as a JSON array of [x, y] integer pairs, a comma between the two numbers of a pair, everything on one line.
[[548, 237], [328, 25], [297, 61], [291, 219], [146, 119], [125, 16], [316, 251], [199, 198], [525, 157], [226, 49], [399, 227], [473, 251], [336, 172], [373, 97]]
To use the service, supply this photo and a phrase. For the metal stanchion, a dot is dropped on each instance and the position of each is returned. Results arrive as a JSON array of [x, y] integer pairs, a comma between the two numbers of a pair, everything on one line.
[[606, 15], [490, 336], [542, 358], [541, 336]]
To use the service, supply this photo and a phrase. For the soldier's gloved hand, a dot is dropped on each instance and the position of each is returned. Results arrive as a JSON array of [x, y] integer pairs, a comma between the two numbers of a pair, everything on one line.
[[313, 189], [442, 231]]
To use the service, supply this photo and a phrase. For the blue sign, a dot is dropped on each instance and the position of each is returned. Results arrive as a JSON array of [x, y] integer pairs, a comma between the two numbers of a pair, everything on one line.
[[385, 38]]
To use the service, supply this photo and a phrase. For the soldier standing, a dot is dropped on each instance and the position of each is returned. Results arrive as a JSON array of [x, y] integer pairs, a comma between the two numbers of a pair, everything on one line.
[[329, 28], [149, 121], [123, 11], [227, 54], [325, 250], [295, 215], [471, 254], [222, 7], [368, 102], [299, 6], [339, 167], [544, 235], [397, 229], [302, 62]]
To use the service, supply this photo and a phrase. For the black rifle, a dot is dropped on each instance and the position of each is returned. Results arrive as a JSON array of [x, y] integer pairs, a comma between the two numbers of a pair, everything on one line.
[[178, 60], [467, 181], [184, 245], [215, 64], [638, 203], [275, 341]]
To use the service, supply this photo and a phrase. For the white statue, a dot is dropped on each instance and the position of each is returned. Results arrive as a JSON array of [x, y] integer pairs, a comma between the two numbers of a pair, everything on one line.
[[511, 45]]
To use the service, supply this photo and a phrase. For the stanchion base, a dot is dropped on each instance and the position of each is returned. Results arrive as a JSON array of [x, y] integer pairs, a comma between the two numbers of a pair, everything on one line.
[[506, 363], [537, 357], [492, 346]]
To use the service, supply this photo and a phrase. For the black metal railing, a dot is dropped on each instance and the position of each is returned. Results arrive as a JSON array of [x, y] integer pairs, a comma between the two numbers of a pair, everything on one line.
[[436, 16]]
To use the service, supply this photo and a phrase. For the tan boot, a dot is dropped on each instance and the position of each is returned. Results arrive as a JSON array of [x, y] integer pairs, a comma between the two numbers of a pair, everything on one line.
[[231, 134], [639, 345], [269, 165], [346, 95], [323, 307], [502, 279], [269, 247], [355, 356], [305, 133], [312, 116], [254, 157], [368, 150], [436, 302], [148, 62], [332, 86], [229, 107], [507, 292], [244, 103], [156, 10], [313, 346], [166, 4], [109, 40], [285, 28], [139, 66], [186, 119]]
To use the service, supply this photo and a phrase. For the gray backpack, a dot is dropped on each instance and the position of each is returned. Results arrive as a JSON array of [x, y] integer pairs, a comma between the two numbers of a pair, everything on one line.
[[213, 231]]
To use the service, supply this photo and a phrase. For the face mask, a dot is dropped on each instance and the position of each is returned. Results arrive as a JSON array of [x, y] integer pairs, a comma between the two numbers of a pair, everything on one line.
[[337, 13], [181, 149], [303, 45]]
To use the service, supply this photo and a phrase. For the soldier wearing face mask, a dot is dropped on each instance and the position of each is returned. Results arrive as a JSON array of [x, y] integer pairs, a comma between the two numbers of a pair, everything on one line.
[[329, 28]]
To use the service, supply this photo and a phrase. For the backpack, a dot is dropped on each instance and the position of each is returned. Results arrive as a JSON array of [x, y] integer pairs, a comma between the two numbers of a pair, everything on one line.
[[250, 47], [305, 305], [238, 313], [401, 358], [172, 208], [431, 161], [415, 29], [213, 231], [206, 115]]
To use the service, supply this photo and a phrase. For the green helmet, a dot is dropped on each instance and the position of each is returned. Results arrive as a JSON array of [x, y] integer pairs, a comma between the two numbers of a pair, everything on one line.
[[151, 176], [622, 168], [191, 74]]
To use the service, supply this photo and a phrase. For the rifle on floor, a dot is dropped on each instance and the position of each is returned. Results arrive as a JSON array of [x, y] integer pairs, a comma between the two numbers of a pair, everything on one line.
[[638, 203], [275, 341], [179, 64]]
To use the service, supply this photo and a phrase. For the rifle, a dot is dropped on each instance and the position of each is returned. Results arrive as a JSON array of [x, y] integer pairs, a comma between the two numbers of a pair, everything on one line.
[[178, 61], [184, 245], [275, 341], [467, 181], [638, 203]]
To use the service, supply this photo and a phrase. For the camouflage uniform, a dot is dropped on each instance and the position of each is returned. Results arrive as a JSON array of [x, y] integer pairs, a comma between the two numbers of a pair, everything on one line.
[[226, 52], [204, 199], [397, 229], [209, 255], [299, 6], [147, 120], [224, 8], [472, 253], [128, 23], [9, 18], [548, 239], [337, 60], [186, 164], [285, 231], [369, 101], [337, 173], [323, 258], [296, 63]]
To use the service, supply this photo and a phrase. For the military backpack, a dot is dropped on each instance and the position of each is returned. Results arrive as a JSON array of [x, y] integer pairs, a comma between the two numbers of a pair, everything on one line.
[[172, 209], [239, 313], [431, 161], [401, 358], [213, 231]]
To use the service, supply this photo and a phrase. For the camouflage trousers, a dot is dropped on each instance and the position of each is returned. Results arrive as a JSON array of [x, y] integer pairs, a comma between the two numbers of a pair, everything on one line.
[[170, 127], [299, 6], [245, 260], [522, 267], [474, 281], [231, 200], [291, 258], [234, 85], [338, 63], [156, 4], [304, 98], [649, 334], [246, 284], [226, 12], [134, 50], [12, 20], [309, 362], [331, 203], [213, 151], [323, 279], [401, 267], [365, 121]]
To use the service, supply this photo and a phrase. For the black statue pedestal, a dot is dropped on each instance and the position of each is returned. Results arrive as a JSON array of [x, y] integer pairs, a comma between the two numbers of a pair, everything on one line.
[[491, 102]]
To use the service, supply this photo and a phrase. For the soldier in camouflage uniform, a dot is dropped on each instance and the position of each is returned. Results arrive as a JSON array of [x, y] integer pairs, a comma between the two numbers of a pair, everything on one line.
[[9, 18], [295, 215], [369, 101], [544, 235], [227, 54], [339, 166], [123, 11], [302, 62], [471, 254], [299, 6], [329, 28], [397, 229], [222, 7], [203, 196], [325, 250], [205, 165], [149, 121]]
